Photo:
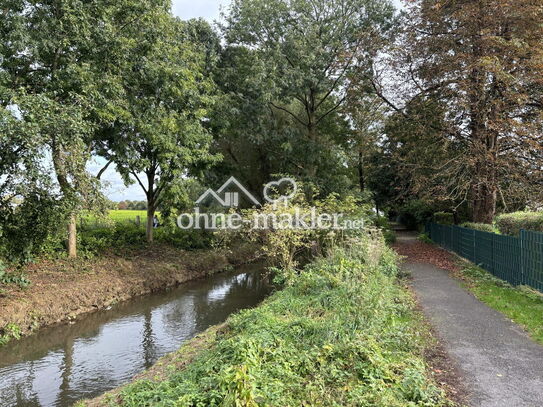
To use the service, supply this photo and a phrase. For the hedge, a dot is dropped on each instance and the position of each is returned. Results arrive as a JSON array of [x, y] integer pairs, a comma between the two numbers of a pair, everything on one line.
[[483, 227], [512, 223]]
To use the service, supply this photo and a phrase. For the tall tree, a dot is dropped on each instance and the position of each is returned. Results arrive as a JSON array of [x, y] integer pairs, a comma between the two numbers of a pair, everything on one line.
[[310, 49], [483, 60], [64, 54], [166, 92]]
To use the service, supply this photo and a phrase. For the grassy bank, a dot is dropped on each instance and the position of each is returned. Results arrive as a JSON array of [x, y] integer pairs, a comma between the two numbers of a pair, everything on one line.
[[63, 289], [341, 333], [521, 304]]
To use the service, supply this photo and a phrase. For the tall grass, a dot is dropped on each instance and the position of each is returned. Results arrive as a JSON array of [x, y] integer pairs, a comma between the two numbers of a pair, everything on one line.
[[342, 332]]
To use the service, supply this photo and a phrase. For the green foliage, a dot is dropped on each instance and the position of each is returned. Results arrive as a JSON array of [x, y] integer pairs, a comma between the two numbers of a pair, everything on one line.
[[342, 333], [284, 245], [444, 218], [415, 214], [423, 237], [16, 278], [390, 236], [9, 332], [512, 223], [283, 93], [483, 227], [383, 223], [96, 240], [167, 95], [30, 229], [185, 239]]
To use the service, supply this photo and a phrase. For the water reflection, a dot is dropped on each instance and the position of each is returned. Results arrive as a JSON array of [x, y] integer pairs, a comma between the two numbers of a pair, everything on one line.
[[63, 364]]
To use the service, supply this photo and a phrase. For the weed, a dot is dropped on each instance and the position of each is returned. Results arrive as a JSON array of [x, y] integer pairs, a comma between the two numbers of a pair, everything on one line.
[[9, 332]]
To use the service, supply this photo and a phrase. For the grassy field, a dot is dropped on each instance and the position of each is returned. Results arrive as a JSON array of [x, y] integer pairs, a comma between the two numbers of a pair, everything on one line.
[[116, 216], [126, 215], [522, 305]]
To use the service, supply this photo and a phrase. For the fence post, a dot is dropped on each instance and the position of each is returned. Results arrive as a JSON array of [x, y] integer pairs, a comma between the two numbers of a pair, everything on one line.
[[138, 220], [492, 251], [522, 254], [474, 246]]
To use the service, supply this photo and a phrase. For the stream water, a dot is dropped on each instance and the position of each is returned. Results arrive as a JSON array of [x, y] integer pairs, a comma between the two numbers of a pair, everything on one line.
[[63, 364]]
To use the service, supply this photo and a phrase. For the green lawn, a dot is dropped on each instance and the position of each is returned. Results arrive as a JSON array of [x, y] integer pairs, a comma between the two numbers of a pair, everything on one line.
[[522, 305]]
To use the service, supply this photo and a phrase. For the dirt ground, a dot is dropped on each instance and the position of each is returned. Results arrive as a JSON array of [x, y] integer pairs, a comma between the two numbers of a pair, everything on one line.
[[64, 289]]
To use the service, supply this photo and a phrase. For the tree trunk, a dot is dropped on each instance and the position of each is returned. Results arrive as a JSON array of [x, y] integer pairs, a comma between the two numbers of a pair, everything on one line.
[[150, 222], [59, 163], [485, 209], [484, 188], [72, 237], [312, 135], [361, 175], [484, 202], [151, 203]]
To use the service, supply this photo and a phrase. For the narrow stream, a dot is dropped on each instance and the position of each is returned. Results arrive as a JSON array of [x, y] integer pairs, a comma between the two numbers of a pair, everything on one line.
[[63, 364]]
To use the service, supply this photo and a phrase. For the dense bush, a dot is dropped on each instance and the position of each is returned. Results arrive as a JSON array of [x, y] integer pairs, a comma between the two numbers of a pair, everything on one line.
[[415, 214], [483, 227], [95, 240], [185, 239], [444, 218], [512, 223], [285, 245], [30, 228], [342, 333]]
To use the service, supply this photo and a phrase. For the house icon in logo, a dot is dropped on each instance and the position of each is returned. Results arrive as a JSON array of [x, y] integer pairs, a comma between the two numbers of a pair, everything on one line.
[[228, 199]]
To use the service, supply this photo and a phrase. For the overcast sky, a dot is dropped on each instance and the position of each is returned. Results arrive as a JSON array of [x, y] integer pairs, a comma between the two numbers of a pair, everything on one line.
[[186, 9], [208, 9]]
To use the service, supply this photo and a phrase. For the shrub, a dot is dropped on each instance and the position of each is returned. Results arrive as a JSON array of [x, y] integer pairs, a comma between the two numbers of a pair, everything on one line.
[[381, 222], [31, 228], [483, 227], [512, 223], [390, 236], [444, 218], [415, 214], [423, 237], [97, 239], [184, 239]]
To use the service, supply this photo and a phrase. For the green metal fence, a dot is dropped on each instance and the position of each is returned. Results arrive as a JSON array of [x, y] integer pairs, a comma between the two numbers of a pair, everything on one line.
[[517, 260]]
